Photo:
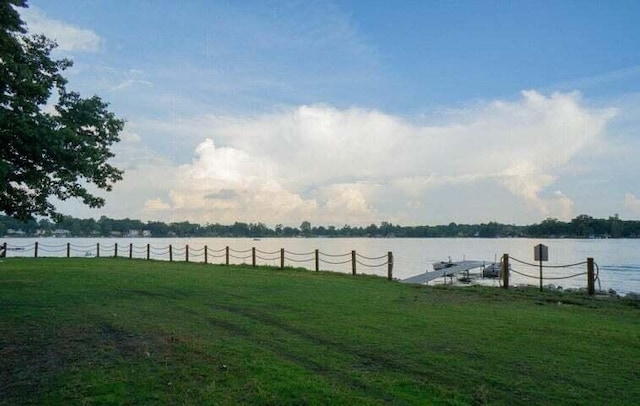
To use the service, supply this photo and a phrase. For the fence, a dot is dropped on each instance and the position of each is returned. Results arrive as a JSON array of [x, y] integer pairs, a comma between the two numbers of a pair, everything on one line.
[[204, 254], [592, 272]]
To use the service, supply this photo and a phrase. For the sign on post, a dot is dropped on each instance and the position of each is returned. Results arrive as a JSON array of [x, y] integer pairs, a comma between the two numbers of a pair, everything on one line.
[[541, 253]]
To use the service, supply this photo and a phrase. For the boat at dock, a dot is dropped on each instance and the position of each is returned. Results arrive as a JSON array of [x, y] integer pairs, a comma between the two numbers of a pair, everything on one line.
[[493, 270], [442, 265]]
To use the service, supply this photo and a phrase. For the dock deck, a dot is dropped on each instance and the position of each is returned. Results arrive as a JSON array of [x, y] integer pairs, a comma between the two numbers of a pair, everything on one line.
[[456, 268]]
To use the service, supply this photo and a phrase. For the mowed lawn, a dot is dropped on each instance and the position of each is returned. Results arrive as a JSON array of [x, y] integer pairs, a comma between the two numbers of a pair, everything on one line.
[[118, 331]]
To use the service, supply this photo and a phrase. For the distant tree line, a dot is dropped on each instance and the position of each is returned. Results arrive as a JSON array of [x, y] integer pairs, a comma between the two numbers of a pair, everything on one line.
[[583, 226]]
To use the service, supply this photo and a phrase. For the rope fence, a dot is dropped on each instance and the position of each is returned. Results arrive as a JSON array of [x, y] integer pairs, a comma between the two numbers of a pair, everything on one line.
[[226, 255], [592, 272]]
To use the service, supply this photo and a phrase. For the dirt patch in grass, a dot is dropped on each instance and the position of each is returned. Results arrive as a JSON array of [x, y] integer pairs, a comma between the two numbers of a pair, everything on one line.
[[33, 363]]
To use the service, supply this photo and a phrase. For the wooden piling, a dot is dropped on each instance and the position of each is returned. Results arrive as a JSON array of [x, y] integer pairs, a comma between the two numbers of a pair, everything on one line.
[[68, 250], [353, 262], [390, 265], [253, 256], [281, 258], [317, 259]]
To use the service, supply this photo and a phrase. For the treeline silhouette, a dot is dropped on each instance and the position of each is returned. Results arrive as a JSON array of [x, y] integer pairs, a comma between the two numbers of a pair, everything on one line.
[[583, 226]]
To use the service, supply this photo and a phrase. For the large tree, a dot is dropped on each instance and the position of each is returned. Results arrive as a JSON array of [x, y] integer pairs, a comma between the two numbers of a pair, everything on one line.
[[47, 152]]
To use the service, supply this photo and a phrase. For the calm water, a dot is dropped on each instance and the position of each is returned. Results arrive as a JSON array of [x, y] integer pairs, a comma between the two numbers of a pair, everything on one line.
[[618, 260]]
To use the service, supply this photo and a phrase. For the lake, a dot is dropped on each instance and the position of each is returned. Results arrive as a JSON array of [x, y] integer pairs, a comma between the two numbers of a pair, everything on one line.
[[618, 260]]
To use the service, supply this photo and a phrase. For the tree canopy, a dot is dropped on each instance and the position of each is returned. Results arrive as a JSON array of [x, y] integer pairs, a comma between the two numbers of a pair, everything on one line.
[[53, 142], [582, 226]]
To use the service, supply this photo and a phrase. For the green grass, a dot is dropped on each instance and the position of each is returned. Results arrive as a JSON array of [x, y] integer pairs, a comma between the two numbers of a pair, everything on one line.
[[117, 331]]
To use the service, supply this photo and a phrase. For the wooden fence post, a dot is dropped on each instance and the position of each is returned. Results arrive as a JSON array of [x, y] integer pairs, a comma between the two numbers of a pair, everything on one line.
[[35, 250], [317, 260], [97, 250], [115, 250], [68, 250], [353, 262], [253, 256], [148, 251], [281, 258], [186, 253], [505, 271], [4, 249], [130, 250], [226, 255], [170, 253], [205, 255], [591, 288], [390, 265]]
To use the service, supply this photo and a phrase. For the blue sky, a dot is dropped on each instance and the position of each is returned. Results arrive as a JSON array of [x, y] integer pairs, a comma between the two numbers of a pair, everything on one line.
[[357, 112]]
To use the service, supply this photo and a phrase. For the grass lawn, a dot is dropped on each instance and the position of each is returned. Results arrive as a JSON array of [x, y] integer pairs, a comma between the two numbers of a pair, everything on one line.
[[119, 331]]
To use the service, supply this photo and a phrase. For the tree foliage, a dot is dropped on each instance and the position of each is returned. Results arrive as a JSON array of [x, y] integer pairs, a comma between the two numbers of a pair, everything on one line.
[[47, 152], [580, 227]]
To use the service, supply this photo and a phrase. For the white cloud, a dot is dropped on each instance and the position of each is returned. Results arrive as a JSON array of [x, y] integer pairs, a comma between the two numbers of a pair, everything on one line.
[[632, 203], [356, 166], [156, 205], [227, 185], [68, 37]]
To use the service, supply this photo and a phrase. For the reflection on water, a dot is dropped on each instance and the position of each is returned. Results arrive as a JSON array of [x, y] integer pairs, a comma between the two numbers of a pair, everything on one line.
[[618, 259]]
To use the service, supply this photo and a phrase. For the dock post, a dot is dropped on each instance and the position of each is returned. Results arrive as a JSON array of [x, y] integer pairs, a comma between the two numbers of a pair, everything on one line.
[[505, 271], [390, 265], [591, 289]]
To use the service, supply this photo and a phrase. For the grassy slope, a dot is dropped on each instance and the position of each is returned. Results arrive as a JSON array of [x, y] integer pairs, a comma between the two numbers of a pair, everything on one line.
[[114, 331]]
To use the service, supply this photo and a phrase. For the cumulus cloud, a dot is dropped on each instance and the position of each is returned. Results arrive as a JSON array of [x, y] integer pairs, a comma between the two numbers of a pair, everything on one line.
[[353, 165], [69, 38], [227, 184]]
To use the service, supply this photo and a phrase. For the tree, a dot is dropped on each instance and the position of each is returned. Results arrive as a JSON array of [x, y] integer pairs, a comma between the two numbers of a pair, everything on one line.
[[43, 154], [583, 225], [305, 228]]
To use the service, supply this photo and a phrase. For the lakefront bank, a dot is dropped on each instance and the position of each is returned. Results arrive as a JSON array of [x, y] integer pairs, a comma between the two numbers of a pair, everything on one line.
[[618, 260]]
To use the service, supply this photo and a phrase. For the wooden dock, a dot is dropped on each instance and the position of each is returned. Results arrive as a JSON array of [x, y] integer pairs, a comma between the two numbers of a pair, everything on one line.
[[454, 268]]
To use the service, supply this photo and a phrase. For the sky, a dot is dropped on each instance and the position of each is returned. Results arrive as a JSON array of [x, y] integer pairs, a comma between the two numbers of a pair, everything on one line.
[[359, 112]]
